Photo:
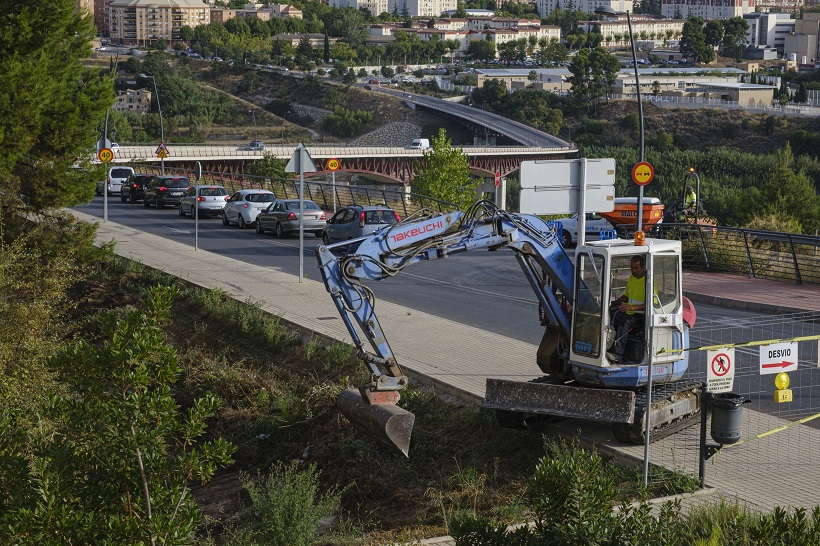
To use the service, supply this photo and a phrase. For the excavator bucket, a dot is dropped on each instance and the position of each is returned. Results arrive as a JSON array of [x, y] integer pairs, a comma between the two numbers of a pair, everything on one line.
[[378, 415]]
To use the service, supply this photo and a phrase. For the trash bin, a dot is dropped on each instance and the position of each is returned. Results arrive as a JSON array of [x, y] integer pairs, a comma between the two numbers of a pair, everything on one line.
[[727, 417]]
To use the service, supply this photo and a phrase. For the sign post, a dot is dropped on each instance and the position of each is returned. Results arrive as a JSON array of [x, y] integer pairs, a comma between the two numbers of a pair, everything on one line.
[[333, 166], [105, 155], [301, 163]]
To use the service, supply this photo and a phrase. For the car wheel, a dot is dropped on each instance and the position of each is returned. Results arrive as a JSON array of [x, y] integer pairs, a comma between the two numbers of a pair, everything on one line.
[[280, 232], [97, 191], [182, 211], [132, 197], [145, 202], [325, 239], [159, 204], [122, 197], [225, 221], [259, 229], [566, 238], [240, 221]]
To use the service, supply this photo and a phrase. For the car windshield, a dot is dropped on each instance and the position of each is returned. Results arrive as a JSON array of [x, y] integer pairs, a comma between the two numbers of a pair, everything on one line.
[[177, 183], [294, 205], [121, 173], [261, 197]]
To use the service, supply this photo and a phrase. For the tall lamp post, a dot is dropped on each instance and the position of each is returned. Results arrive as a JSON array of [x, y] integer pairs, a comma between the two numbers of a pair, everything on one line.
[[255, 127], [161, 124], [608, 11]]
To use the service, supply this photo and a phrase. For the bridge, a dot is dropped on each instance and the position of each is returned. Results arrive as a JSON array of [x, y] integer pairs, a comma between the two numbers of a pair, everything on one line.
[[384, 164]]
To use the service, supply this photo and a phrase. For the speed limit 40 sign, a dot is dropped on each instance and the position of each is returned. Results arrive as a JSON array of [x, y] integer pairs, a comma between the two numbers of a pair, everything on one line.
[[105, 155]]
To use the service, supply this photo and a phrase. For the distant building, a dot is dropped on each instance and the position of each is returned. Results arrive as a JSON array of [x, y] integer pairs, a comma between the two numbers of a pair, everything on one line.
[[769, 30], [714, 9], [375, 7], [649, 32], [130, 100], [144, 22], [545, 7]]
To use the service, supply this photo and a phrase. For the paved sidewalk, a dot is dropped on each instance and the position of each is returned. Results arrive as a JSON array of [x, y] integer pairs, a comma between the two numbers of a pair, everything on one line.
[[307, 305]]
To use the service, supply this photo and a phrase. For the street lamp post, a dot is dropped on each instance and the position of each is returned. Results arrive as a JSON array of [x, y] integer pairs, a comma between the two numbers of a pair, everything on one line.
[[161, 124], [255, 127], [606, 10]]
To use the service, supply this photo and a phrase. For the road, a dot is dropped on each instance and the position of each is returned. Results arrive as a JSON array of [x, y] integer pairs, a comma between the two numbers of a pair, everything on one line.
[[486, 290]]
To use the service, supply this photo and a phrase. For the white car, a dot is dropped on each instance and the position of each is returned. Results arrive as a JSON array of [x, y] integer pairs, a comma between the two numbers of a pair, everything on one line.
[[594, 225], [245, 205]]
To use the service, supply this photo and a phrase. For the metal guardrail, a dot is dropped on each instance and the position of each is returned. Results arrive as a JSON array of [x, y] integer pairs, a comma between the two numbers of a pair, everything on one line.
[[328, 196], [784, 257]]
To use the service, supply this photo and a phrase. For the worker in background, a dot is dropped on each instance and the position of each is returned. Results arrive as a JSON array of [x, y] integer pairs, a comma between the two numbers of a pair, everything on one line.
[[690, 201], [631, 307]]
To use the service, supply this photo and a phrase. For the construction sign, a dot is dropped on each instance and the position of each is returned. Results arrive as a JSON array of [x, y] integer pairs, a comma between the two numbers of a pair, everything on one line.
[[720, 373], [778, 357], [162, 151]]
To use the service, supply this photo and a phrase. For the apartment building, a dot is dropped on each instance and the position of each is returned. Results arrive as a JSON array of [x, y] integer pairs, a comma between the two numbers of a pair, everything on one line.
[[144, 22], [645, 29], [133, 100], [545, 7], [769, 30], [713, 9], [375, 7]]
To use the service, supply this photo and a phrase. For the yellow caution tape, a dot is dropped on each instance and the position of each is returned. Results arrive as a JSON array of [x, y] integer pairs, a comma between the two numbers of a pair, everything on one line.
[[735, 345]]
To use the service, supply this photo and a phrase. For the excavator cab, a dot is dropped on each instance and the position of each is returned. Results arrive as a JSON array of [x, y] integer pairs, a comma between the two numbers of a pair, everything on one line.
[[603, 268]]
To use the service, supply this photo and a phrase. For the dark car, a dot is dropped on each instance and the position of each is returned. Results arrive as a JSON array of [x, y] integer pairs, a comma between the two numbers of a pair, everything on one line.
[[358, 221], [165, 190], [282, 217], [133, 189]]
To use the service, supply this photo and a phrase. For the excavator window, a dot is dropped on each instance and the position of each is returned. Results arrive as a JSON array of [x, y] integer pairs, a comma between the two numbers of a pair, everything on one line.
[[665, 282], [586, 333]]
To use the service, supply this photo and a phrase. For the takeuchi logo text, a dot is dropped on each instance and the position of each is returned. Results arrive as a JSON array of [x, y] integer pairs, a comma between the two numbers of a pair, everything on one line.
[[417, 230]]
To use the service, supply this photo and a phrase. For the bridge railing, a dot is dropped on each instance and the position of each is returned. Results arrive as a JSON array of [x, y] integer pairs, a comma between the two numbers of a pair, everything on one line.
[[785, 257]]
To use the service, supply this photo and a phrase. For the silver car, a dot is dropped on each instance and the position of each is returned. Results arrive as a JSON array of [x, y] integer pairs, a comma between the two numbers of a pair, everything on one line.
[[282, 218], [358, 221], [208, 200], [244, 205]]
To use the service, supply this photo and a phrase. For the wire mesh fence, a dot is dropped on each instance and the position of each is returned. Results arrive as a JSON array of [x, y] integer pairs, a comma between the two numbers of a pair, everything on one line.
[[775, 457]]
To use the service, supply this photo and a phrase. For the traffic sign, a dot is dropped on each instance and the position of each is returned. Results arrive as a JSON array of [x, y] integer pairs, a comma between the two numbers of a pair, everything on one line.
[[162, 151], [643, 173], [105, 155], [778, 357], [497, 178], [333, 164], [720, 375]]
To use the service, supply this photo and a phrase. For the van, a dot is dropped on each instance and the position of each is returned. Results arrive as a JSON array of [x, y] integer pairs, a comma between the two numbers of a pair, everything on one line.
[[116, 177], [420, 144]]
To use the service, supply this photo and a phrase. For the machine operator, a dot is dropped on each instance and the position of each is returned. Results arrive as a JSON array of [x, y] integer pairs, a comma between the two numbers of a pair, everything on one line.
[[631, 306]]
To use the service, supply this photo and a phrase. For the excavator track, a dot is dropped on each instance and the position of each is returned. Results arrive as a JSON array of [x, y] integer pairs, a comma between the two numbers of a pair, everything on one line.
[[679, 402]]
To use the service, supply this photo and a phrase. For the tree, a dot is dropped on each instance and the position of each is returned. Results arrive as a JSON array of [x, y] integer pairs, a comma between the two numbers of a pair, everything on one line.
[[445, 174], [117, 463], [592, 74], [802, 94], [693, 42], [269, 166], [481, 50], [735, 37], [50, 105], [713, 33]]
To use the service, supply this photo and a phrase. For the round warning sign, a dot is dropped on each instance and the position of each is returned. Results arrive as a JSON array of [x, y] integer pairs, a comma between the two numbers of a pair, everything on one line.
[[721, 364], [333, 164], [643, 173], [105, 155]]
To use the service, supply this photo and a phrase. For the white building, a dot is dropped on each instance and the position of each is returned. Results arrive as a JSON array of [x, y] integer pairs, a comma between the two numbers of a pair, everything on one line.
[[713, 9], [375, 7], [545, 7], [769, 30]]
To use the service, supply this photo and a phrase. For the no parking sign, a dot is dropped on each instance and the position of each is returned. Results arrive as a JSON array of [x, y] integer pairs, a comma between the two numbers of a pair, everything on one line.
[[720, 370]]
